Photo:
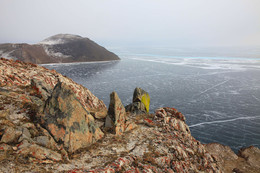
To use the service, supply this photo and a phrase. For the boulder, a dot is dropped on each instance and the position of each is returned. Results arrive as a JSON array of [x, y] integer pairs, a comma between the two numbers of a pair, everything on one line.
[[116, 118], [141, 102], [142, 96], [68, 121]]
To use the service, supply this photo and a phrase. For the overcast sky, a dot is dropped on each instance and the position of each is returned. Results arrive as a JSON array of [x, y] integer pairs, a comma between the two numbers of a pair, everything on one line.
[[134, 22]]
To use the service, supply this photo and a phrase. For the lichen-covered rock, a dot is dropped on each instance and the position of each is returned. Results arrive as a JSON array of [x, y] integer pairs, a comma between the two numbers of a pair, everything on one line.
[[18, 75], [10, 135], [136, 108], [40, 153], [116, 118], [160, 147], [25, 89], [141, 102], [99, 114], [142, 96], [41, 88], [68, 121]]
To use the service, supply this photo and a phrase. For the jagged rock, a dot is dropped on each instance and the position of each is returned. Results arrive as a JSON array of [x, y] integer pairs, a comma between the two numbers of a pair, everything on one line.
[[68, 121], [18, 75], [10, 135], [142, 96], [141, 102], [100, 114], [251, 155], [173, 118], [32, 129], [136, 108], [24, 89], [25, 135], [46, 141], [40, 153], [221, 152], [116, 118], [161, 147], [247, 159], [41, 88]]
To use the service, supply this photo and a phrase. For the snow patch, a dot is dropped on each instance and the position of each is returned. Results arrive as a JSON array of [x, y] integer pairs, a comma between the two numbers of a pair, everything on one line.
[[52, 42], [7, 55], [59, 39], [52, 53]]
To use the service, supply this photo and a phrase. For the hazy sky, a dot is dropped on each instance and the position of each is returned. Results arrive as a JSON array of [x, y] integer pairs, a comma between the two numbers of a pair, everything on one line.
[[134, 22]]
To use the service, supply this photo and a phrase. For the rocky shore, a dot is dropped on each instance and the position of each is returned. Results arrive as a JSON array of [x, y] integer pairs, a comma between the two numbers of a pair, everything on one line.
[[48, 123]]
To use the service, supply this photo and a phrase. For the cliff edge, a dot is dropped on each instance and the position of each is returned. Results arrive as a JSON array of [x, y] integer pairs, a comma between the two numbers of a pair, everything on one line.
[[48, 123]]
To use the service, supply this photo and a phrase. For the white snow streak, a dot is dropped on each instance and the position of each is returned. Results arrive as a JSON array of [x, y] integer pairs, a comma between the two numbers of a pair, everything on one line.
[[52, 42], [6, 54]]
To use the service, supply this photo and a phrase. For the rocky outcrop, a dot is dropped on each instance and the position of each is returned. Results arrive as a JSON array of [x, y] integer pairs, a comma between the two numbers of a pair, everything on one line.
[[68, 121], [116, 118], [141, 102], [166, 146], [39, 82], [47, 118], [251, 155], [43, 111], [247, 160], [61, 48]]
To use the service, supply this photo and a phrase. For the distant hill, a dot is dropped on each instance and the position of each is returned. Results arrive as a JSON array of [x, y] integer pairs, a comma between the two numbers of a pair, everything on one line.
[[61, 48]]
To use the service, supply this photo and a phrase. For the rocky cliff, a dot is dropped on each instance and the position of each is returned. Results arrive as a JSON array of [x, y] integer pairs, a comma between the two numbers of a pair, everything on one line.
[[61, 48], [48, 123]]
